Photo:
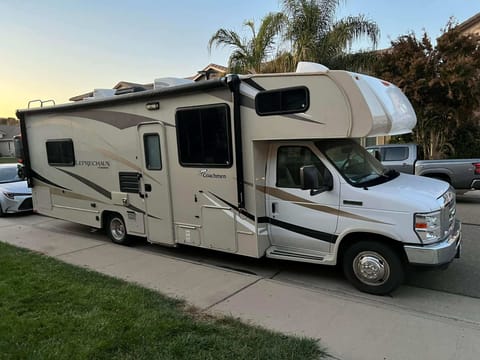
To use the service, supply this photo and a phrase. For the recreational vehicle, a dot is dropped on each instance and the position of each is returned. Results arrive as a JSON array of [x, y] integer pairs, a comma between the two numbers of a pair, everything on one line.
[[255, 165]]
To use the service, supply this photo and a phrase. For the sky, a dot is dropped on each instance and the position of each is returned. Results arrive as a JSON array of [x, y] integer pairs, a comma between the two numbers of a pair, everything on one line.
[[56, 49]]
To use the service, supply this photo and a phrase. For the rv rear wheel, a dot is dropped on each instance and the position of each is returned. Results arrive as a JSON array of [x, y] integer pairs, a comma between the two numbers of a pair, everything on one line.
[[116, 229], [373, 267]]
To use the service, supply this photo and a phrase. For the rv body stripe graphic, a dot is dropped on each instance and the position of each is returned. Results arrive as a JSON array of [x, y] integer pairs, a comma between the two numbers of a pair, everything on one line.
[[90, 184], [243, 212], [124, 161], [46, 181], [120, 120], [73, 195], [134, 208], [245, 223], [330, 238], [283, 195], [253, 84]]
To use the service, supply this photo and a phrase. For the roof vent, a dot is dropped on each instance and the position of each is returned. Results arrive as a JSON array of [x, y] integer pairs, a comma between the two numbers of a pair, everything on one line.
[[100, 93], [170, 81], [305, 66]]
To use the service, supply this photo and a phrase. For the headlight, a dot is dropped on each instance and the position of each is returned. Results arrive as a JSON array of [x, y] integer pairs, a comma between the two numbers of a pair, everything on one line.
[[428, 227], [9, 195]]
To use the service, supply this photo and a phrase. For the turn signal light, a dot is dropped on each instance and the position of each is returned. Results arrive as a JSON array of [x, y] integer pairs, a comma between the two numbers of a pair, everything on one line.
[[421, 225]]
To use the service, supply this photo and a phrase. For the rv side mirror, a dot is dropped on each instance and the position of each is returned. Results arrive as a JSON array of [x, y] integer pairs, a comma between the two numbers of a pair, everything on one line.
[[309, 178]]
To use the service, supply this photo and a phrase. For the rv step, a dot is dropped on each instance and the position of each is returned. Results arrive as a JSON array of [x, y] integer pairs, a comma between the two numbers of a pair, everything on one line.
[[287, 254]]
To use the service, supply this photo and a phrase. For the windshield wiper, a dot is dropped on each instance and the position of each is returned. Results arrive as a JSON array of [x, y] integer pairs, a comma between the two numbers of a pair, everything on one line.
[[390, 173]]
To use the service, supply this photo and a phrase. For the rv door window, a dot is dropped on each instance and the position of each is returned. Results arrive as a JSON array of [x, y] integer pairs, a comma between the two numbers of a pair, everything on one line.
[[203, 136], [282, 101], [60, 152], [153, 158]]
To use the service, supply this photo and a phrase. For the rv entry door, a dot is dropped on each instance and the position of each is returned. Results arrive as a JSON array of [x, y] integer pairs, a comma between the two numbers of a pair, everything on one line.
[[155, 185], [301, 221]]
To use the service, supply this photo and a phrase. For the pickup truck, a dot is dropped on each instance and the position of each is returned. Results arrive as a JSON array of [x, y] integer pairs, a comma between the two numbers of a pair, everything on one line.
[[462, 174]]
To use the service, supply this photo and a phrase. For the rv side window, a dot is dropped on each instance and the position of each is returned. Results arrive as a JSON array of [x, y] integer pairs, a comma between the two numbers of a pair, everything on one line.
[[282, 101], [153, 158], [289, 161], [203, 136], [60, 152]]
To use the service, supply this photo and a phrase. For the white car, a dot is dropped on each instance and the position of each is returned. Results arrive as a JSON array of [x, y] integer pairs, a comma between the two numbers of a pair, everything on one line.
[[15, 195]]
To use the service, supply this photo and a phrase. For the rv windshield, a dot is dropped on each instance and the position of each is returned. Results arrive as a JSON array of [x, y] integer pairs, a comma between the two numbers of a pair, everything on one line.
[[354, 163]]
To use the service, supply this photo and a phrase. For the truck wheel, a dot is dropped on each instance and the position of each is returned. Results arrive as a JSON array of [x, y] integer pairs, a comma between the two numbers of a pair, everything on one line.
[[373, 267], [116, 230]]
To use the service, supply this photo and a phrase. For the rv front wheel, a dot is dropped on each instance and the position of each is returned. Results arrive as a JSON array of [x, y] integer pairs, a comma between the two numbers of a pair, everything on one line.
[[116, 229], [373, 267]]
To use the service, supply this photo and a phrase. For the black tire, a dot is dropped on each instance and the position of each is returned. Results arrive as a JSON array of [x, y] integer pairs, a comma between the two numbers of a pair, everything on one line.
[[1, 211], [373, 267], [116, 229]]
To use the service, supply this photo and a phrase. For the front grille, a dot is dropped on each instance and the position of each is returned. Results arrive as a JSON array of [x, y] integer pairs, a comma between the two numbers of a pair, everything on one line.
[[26, 204], [449, 211]]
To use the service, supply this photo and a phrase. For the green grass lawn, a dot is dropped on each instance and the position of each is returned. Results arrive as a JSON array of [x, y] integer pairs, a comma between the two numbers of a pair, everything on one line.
[[4, 160], [52, 310]]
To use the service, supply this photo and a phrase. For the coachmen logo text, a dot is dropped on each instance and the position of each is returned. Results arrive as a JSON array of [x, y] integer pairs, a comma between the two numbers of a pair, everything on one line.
[[206, 174], [101, 164]]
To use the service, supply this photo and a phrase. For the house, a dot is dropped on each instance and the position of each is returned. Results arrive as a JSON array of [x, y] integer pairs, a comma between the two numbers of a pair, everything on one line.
[[7, 132], [211, 71], [471, 25]]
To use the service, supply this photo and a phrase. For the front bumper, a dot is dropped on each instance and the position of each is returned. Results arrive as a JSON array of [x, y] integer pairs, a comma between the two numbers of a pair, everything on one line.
[[19, 203], [437, 254]]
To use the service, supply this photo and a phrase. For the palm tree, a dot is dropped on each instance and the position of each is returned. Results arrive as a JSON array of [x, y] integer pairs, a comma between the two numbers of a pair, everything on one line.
[[316, 36], [249, 55]]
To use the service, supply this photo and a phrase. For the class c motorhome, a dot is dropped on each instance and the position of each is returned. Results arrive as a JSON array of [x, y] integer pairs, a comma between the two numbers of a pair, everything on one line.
[[255, 165]]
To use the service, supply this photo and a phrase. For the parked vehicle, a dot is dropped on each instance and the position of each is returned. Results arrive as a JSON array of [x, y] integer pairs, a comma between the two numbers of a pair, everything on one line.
[[257, 165], [15, 195], [462, 174]]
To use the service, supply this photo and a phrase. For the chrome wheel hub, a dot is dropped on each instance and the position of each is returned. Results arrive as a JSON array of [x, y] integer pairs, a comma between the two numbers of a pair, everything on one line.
[[371, 268], [117, 229]]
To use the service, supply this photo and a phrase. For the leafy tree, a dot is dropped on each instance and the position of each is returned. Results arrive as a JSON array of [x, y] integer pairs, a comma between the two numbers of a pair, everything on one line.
[[316, 36], [249, 55], [442, 82]]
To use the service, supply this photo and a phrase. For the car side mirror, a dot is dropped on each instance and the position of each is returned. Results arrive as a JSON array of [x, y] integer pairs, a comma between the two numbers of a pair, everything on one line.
[[309, 178], [20, 171], [377, 155]]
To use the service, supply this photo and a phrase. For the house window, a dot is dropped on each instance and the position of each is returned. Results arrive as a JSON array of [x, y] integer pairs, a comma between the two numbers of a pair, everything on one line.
[[153, 158], [282, 101], [60, 152], [203, 136]]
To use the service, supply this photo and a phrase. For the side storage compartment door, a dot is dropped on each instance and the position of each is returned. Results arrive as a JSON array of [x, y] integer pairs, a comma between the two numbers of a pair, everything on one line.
[[155, 183], [299, 221]]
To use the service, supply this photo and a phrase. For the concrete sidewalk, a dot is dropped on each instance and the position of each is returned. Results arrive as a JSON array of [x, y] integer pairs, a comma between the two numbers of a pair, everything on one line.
[[422, 324]]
